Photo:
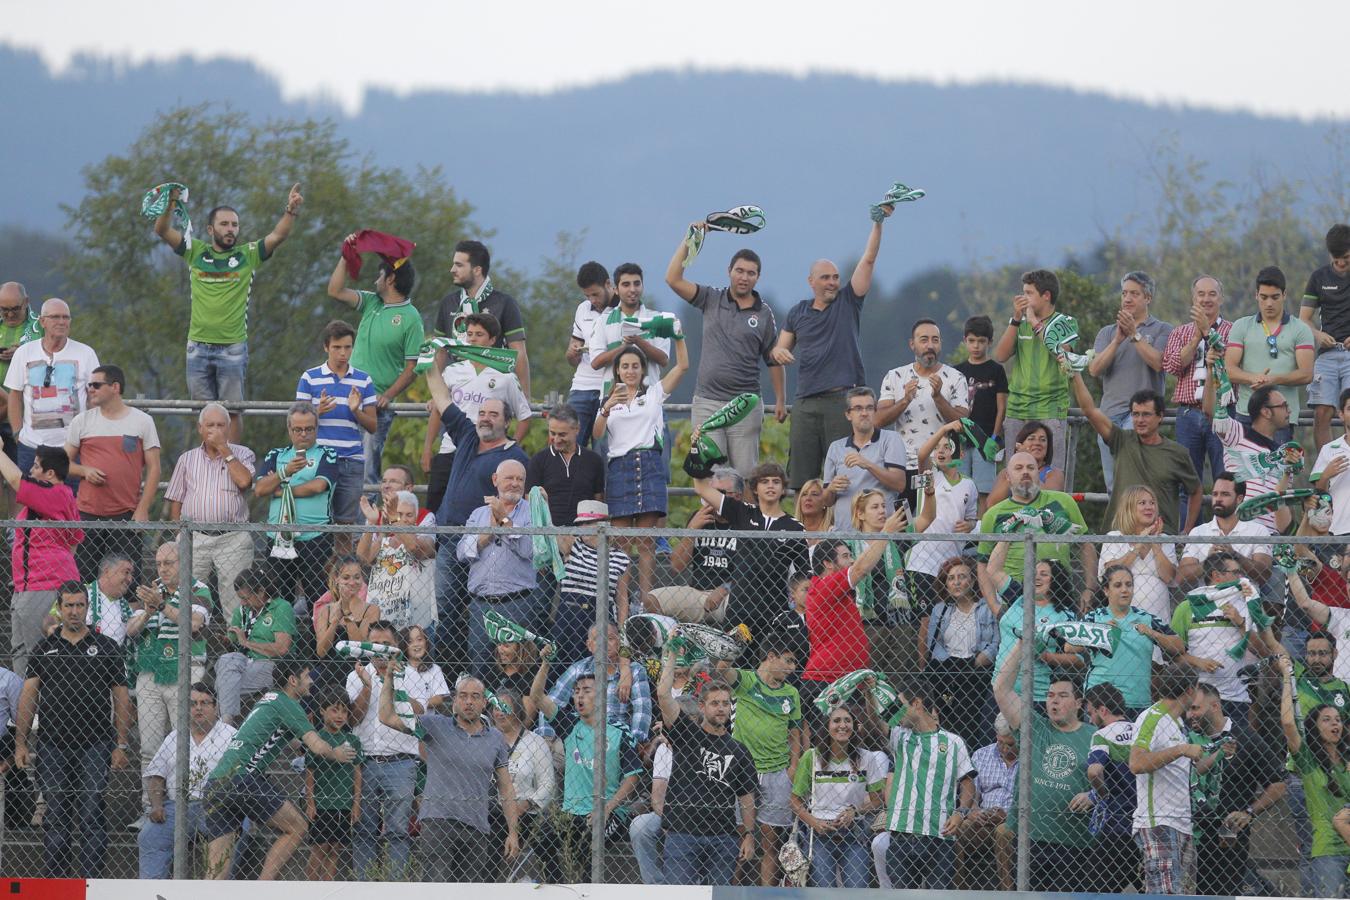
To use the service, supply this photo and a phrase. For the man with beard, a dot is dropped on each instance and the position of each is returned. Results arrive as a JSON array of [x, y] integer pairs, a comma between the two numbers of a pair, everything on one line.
[[1245, 779], [566, 471], [919, 398], [1227, 494], [477, 294], [1026, 492], [221, 274], [824, 332], [501, 567], [479, 449], [759, 576]]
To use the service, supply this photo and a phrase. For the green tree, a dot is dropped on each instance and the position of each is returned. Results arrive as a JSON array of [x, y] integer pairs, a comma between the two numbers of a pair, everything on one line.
[[131, 294]]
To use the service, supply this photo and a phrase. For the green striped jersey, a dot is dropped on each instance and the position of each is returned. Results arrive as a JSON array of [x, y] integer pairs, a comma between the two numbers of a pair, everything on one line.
[[1163, 796], [925, 786]]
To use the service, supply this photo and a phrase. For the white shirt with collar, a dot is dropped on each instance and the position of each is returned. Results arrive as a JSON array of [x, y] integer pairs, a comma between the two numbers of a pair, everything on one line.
[[202, 758], [377, 739]]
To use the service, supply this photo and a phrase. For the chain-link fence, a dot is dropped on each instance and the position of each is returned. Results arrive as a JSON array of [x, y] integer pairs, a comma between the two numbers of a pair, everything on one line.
[[843, 708]]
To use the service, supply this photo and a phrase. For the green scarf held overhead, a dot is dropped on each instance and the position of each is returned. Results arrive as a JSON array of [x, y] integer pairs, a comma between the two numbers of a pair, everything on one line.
[[1268, 502], [501, 630], [546, 555], [156, 201], [500, 359], [899, 193], [975, 437], [745, 219], [661, 325], [842, 689], [403, 707], [1059, 334]]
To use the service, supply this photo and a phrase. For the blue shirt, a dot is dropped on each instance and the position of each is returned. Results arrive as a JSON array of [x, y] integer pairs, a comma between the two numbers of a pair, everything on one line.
[[1130, 666], [505, 564], [471, 472], [338, 427], [315, 509], [636, 714], [828, 357]]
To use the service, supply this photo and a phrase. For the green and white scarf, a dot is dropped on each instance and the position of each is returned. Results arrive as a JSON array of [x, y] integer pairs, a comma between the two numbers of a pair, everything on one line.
[[899, 193], [283, 547], [1101, 636], [500, 359], [546, 555], [501, 630], [471, 305], [403, 707], [746, 219], [156, 201], [897, 593]]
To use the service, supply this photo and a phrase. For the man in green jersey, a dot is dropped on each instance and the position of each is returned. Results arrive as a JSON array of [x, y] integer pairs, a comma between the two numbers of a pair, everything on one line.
[[221, 274], [18, 325], [238, 786], [1038, 389], [1024, 486], [768, 723], [1061, 796]]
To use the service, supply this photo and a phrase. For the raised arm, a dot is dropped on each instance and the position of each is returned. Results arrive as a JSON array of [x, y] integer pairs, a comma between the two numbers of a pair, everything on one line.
[[1317, 611], [682, 286], [8, 470], [337, 282], [539, 686], [1100, 421], [1007, 342], [671, 379], [665, 685], [282, 230], [1292, 739], [861, 282], [1009, 703]]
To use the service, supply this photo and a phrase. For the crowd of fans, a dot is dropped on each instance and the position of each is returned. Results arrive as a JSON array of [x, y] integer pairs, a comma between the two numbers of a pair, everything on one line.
[[1181, 688]]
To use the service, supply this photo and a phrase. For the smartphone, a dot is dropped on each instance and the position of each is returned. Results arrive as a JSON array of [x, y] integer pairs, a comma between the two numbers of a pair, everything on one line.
[[904, 504]]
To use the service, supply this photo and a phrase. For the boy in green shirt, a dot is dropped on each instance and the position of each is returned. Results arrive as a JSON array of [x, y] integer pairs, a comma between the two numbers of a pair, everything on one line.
[[1038, 388], [332, 789]]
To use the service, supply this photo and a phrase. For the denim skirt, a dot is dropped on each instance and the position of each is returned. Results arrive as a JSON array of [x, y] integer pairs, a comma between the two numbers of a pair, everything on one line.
[[635, 483]]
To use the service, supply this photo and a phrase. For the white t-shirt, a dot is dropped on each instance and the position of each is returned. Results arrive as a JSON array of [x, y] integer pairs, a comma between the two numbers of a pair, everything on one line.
[[377, 738], [470, 387], [637, 423], [403, 586], [1242, 529], [1340, 485], [611, 330], [838, 785], [921, 419], [583, 324], [1212, 637], [202, 759], [1163, 796], [423, 684], [1338, 625], [955, 503], [1151, 593], [53, 389]]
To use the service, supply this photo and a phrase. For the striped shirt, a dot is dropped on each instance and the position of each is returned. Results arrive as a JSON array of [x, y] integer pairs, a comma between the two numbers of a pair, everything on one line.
[[1188, 393], [338, 427], [203, 486], [583, 570], [1241, 445], [1163, 796], [929, 767]]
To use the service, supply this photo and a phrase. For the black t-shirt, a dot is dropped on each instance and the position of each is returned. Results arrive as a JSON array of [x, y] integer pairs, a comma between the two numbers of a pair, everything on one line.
[[74, 705], [1254, 767], [986, 381], [566, 483], [502, 306], [1330, 293], [708, 773], [710, 566], [759, 575]]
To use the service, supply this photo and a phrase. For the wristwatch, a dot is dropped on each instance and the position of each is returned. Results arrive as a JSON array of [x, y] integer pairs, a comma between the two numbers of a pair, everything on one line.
[[506, 520], [1015, 322], [1136, 337], [229, 459]]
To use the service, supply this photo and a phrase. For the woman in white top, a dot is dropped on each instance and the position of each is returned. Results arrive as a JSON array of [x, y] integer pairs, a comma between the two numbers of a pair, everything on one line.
[[1154, 566], [423, 679], [633, 420], [836, 785], [530, 761], [403, 573]]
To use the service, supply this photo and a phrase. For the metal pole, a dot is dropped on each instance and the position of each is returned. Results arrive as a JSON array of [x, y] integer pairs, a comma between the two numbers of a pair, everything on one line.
[[601, 704], [181, 864], [1025, 751], [1070, 454]]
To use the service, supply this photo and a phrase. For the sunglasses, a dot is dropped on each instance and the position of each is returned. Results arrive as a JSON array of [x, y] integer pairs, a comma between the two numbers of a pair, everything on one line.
[[95, 385], [1271, 348], [47, 378]]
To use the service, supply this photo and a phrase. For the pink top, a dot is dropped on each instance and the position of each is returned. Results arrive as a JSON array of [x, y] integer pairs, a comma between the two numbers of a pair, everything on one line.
[[43, 557]]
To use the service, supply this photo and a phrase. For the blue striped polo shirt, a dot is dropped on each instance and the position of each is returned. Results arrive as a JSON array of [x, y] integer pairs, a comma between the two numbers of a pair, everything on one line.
[[337, 427]]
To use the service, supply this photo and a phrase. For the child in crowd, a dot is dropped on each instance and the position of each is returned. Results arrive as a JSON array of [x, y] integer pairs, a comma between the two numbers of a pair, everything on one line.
[[988, 398], [332, 790]]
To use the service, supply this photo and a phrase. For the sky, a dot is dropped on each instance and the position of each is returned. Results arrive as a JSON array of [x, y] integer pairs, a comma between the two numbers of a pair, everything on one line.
[[1233, 55]]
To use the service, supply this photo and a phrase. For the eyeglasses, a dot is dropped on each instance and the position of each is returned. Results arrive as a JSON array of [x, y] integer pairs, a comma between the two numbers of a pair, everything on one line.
[[11, 310], [1284, 405], [303, 429], [869, 408], [56, 317], [1271, 347]]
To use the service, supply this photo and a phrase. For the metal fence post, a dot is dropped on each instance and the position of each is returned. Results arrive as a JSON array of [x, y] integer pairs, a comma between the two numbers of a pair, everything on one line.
[[181, 798], [1025, 751], [1070, 454], [598, 769]]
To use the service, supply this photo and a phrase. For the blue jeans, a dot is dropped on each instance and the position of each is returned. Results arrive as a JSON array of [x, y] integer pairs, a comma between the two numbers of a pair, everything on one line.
[[700, 858], [571, 626], [386, 795], [156, 840], [1328, 876], [587, 404], [1108, 462], [216, 371], [523, 611], [978, 469], [346, 497], [373, 443], [916, 861], [1196, 434], [846, 858], [1331, 375], [73, 780], [645, 833]]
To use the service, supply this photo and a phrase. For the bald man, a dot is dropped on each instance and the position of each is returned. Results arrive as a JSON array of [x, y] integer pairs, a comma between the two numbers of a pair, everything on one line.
[[46, 383], [501, 566], [18, 325], [824, 333]]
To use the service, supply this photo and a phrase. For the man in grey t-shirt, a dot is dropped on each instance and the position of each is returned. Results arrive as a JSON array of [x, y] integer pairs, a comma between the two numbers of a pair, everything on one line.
[[824, 332], [738, 332], [464, 755], [1129, 358]]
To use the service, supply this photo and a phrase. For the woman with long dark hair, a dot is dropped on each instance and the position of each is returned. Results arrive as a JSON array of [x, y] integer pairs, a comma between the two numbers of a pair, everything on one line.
[[1319, 751], [1053, 590], [836, 785]]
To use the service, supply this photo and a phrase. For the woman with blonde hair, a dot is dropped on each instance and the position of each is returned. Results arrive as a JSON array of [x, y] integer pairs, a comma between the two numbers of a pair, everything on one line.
[[882, 596], [812, 510], [1153, 565]]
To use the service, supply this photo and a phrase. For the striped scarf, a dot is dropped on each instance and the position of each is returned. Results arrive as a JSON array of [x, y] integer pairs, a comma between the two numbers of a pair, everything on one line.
[[500, 359], [546, 555], [873, 602], [403, 707], [284, 545]]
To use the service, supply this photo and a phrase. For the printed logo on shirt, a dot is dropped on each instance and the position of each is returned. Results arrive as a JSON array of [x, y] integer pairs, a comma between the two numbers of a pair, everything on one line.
[[234, 261], [716, 766], [92, 651], [1060, 760], [396, 321], [753, 321]]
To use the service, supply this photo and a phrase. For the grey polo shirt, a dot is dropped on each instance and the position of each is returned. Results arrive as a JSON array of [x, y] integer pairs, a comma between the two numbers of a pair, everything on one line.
[[886, 449], [828, 357], [1128, 372], [461, 770], [734, 342]]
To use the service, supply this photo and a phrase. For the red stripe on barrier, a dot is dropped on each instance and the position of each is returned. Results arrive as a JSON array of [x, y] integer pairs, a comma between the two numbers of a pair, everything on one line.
[[45, 888]]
